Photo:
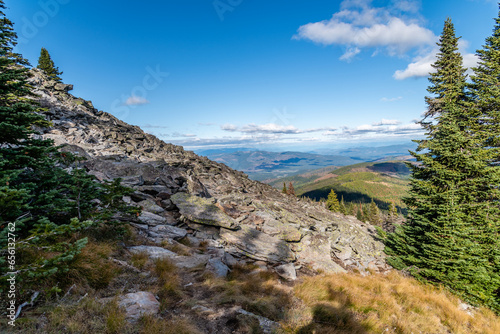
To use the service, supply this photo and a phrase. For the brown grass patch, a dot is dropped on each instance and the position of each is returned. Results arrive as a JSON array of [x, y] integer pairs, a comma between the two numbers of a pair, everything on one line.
[[259, 292], [153, 325], [169, 288], [350, 303], [93, 266]]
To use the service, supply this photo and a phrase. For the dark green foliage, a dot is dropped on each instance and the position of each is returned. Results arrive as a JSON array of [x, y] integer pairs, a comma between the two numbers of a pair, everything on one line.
[[284, 190], [343, 207], [393, 213], [44, 193], [332, 202], [374, 214], [46, 64], [451, 236]]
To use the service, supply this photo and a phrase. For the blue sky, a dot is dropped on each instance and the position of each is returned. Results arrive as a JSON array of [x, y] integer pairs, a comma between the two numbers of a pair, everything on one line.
[[283, 74]]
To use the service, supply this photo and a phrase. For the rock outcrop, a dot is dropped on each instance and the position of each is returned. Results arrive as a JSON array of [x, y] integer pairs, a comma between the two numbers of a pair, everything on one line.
[[184, 195]]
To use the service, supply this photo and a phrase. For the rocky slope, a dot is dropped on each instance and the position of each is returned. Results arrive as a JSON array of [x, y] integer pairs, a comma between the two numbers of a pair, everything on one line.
[[187, 196]]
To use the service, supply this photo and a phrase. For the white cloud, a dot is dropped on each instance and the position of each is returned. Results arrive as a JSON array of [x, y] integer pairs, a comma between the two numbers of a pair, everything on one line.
[[358, 25], [391, 99], [422, 65], [350, 53], [270, 128], [382, 129], [387, 122], [229, 127], [136, 100], [185, 135]]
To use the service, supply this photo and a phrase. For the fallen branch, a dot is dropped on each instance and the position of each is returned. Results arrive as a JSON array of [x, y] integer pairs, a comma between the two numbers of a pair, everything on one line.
[[19, 309]]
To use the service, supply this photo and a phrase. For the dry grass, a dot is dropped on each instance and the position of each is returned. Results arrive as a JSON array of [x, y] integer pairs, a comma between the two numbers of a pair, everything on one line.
[[177, 247], [349, 303], [259, 292], [89, 316], [153, 325], [93, 267], [139, 260], [169, 287]]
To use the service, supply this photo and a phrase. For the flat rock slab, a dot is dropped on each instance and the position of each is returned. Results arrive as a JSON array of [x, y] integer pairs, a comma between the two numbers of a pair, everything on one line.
[[138, 304], [169, 231], [314, 250], [258, 245], [202, 211], [151, 219], [180, 261], [283, 231], [153, 252]]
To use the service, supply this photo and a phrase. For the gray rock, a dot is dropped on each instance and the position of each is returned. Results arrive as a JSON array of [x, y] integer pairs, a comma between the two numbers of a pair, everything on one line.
[[229, 260], [314, 249], [153, 252], [217, 267], [139, 304], [283, 231], [168, 205], [287, 271], [151, 206], [151, 219], [258, 245], [169, 231], [268, 326], [202, 211], [63, 87], [186, 262]]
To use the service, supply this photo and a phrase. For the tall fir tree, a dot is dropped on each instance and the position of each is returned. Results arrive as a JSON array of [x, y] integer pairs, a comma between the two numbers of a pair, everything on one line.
[[284, 190], [393, 212], [332, 202], [342, 206], [374, 214], [46, 64], [446, 239], [291, 189]]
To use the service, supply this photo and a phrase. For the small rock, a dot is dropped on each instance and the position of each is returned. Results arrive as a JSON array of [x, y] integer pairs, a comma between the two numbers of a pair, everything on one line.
[[151, 219], [169, 231], [287, 271], [153, 252], [150, 206], [168, 205], [217, 267], [229, 260], [138, 304]]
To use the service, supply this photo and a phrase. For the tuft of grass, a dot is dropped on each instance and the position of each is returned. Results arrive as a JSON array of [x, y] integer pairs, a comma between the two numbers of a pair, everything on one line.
[[153, 325], [139, 260], [176, 247], [259, 292], [169, 290], [93, 266], [351, 303], [89, 316]]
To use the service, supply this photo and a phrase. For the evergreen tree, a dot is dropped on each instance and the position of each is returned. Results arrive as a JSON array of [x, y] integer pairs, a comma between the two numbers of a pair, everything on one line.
[[46, 64], [393, 212], [284, 190], [332, 202], [374, 214], [343, 207], [291, 190], [360, 214], [39, 200], [449, 236]]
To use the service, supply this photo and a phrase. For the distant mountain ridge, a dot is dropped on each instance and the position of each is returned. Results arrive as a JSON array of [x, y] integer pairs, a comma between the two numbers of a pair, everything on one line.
[[267, 166], [384, 181], [262, 165]]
